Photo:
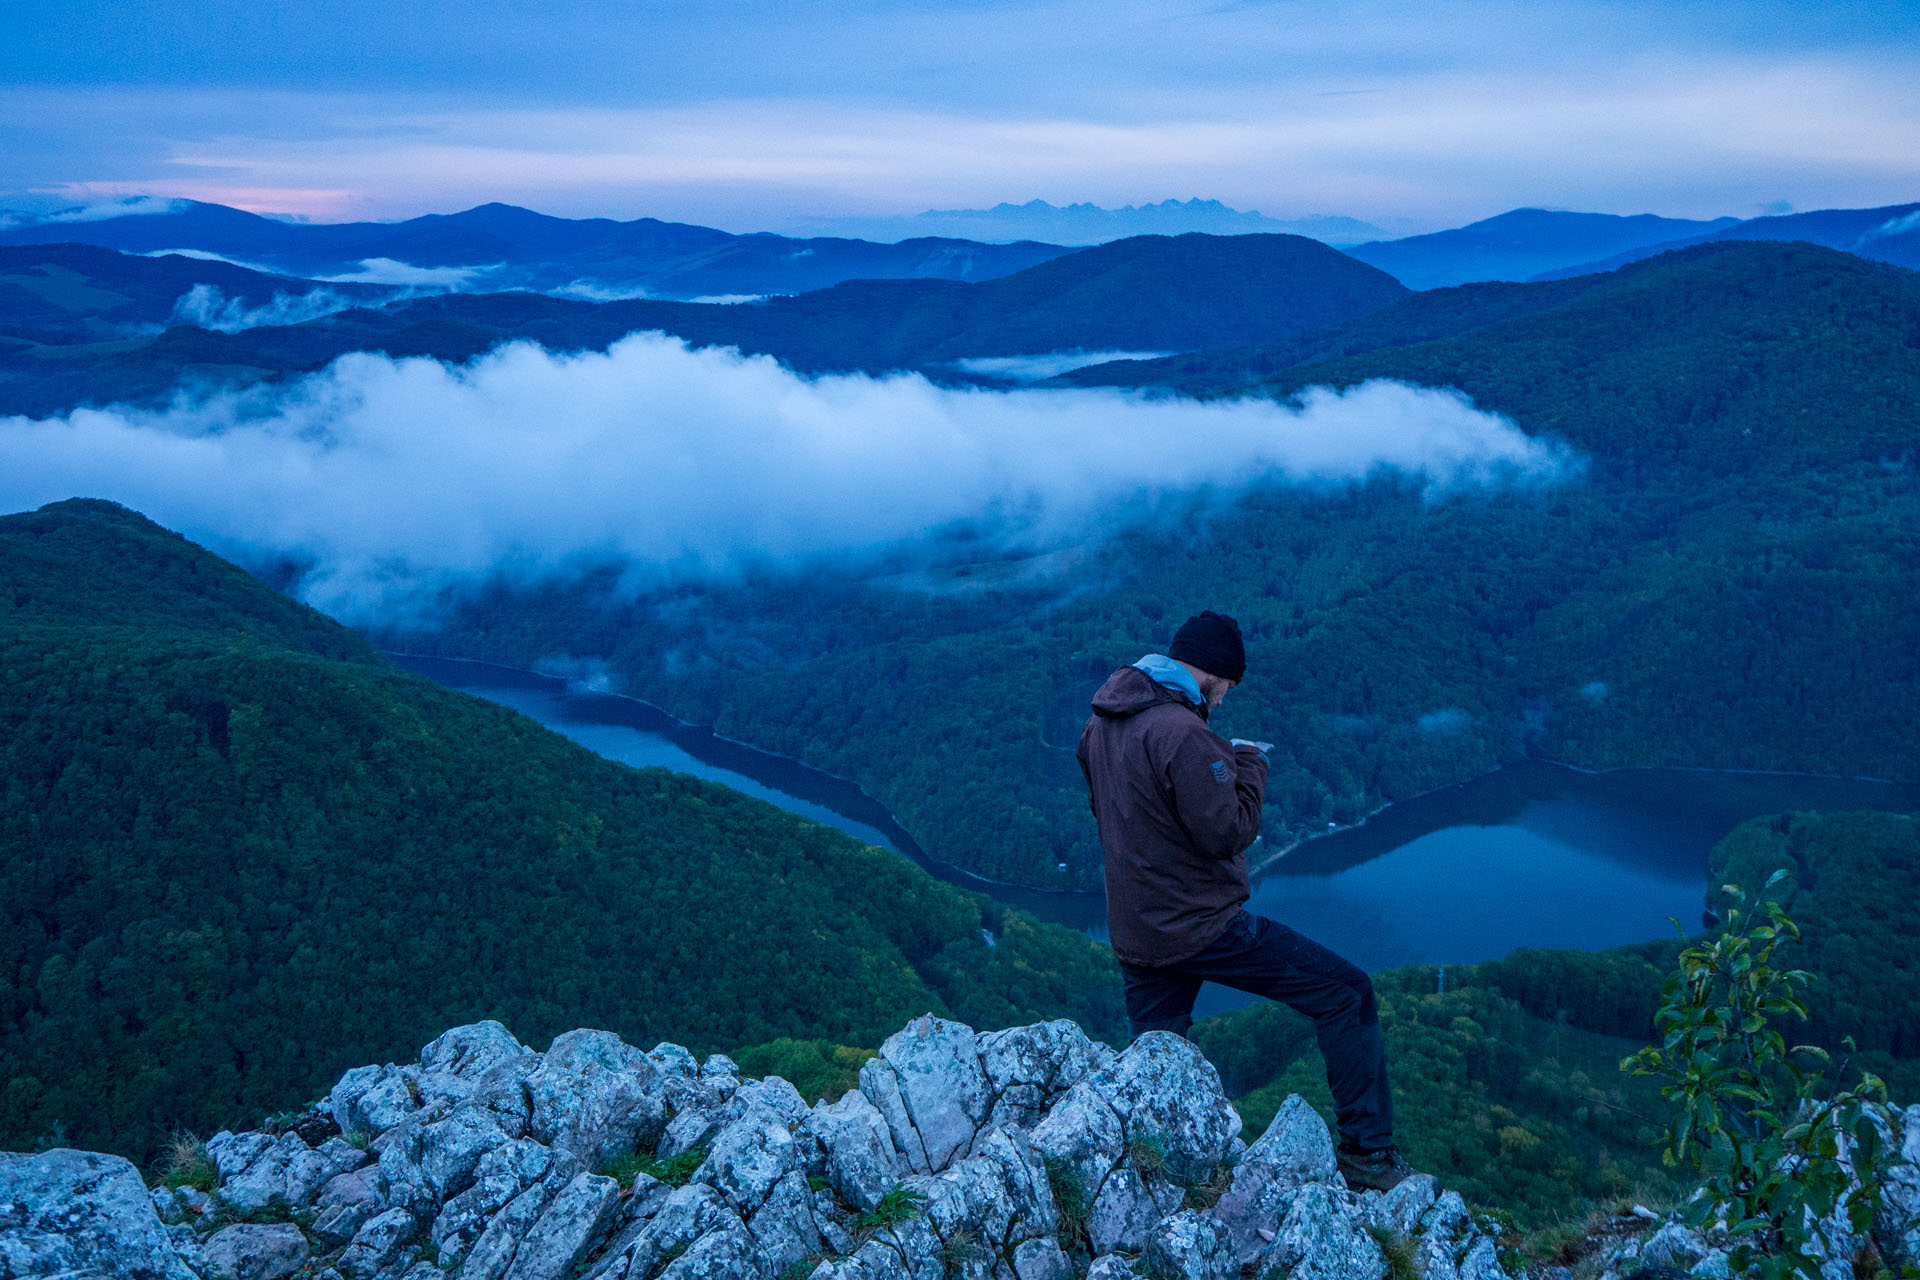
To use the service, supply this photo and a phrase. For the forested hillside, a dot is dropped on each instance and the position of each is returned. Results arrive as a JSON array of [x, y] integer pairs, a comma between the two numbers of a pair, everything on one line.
[[1725, 581], [239, 852]]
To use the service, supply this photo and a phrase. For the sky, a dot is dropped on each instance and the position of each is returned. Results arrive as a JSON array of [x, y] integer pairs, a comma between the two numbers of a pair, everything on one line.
[[745, 114]]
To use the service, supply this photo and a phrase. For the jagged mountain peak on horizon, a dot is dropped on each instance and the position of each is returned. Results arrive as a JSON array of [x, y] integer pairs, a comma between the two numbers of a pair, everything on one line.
[[1086, 223]]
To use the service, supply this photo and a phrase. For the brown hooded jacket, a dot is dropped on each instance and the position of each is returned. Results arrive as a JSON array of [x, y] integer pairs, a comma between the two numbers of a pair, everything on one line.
[[1177, 806]]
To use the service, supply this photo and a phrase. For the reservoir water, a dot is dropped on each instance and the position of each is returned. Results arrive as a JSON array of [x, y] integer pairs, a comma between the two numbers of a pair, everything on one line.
[[1532, 855]]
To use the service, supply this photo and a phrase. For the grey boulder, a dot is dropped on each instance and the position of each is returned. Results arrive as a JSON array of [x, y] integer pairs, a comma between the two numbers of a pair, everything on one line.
[[252, 1251], [929, 1085], [80, 1214], [1168, 1096]]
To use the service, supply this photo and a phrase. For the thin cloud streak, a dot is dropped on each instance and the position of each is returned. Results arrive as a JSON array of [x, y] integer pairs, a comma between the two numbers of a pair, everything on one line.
[[396, 479]]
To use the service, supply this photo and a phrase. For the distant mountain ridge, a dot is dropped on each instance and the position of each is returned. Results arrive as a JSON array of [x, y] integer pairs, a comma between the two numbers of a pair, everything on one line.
[[1148, 293], [1521, 244], [1887, 234], [497, 247], [1085, 223]]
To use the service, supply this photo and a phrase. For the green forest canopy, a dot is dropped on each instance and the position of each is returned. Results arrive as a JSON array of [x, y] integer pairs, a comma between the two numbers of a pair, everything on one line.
[[240, 853]]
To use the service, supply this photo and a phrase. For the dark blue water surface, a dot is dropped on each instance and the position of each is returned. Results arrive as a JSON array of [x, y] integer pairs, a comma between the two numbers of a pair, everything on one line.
[[1532, 855]]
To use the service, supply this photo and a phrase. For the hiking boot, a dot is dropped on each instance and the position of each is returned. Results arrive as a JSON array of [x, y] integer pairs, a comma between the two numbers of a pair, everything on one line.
[[1380, 1170]]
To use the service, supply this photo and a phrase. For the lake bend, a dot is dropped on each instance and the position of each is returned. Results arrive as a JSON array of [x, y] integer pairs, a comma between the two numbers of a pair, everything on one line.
[[1532, 855]]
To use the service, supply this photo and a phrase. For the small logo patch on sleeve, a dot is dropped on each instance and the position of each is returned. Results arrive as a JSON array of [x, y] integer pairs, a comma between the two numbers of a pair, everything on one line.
[[1220, 773]]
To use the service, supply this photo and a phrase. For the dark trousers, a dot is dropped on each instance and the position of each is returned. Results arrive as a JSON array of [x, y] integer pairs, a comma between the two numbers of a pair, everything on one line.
[[1268, 959]]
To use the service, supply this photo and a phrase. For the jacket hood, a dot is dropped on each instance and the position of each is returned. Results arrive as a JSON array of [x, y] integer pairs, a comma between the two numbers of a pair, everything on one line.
[[1130, 691]]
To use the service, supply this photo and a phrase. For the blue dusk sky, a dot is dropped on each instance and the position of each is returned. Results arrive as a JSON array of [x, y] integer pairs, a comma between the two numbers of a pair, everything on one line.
[[744, 114]]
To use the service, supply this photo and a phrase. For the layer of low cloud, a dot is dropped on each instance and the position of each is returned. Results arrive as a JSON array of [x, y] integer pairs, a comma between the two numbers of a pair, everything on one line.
[[207, 307], [395, 479], [29, 209], [393, 271], [1038, 368], [1900, 226]]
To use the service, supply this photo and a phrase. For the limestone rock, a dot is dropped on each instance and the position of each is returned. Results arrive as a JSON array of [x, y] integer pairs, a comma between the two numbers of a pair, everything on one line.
[[724, 1254], [1896, 1227], [1168, 1095], [186, 1247], [233, 1153], [255, 1252], [1402, 1208], [288, 1172], [1082, 1134], [340, 1223], [1111, 1266], [356, 1186], [1317, 1241], [470, 1051], [1296, 1150], [1023, 1177], [1122, 1213], [672, 1060], [77, 1213], [1028, 1067], [572, 1223], [688, 1214], [1674, 1245], [748, 1157], [1190, 1246], [371, 1100], [861, 1162], [783, 1228], [929, 1085], [595, 1097], [376, 1244], [502, 1174], [425, 1162], [167, 1205], [917, 1251], [1041, 1260], [493, 1252], [1297, 1145]]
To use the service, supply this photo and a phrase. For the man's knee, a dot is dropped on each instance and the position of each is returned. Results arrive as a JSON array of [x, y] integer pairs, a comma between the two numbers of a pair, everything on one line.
[[1347, 999], [1369, 1006]]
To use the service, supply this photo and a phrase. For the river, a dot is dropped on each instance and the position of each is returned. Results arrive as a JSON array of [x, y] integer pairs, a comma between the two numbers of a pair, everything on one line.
[[1532, 855]]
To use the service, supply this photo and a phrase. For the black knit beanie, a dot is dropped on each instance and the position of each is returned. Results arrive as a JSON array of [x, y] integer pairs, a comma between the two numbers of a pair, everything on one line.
[[1211, 642]]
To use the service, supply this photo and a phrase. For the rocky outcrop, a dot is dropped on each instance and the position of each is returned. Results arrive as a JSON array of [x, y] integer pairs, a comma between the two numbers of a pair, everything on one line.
[[1670, 1246], [1027, 1154]]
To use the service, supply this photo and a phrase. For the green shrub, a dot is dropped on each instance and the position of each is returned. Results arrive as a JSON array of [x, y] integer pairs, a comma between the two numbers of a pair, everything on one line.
[[1766, 1123], [901, 1204]]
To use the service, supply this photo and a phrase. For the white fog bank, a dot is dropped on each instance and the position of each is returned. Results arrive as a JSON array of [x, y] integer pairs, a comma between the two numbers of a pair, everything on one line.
[[398, 477]]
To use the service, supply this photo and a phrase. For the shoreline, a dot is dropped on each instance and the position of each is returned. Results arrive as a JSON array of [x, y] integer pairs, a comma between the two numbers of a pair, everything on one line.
[[573, 683]]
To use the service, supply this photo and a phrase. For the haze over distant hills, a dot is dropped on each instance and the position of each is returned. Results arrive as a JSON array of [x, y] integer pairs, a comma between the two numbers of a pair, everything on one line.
[[1521, 244], [1084, 223], [498, 247], [1545, 244], [1888, 234], [81, 325]]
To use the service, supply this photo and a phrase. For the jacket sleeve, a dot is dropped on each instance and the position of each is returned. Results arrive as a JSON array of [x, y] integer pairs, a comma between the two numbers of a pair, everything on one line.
[[1218, 790]]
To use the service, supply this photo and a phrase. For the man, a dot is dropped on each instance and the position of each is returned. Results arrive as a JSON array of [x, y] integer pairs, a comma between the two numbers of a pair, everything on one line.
[[1178, 806]]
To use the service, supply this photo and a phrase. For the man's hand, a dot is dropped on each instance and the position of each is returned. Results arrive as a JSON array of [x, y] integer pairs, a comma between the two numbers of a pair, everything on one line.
[[1261, 747]]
